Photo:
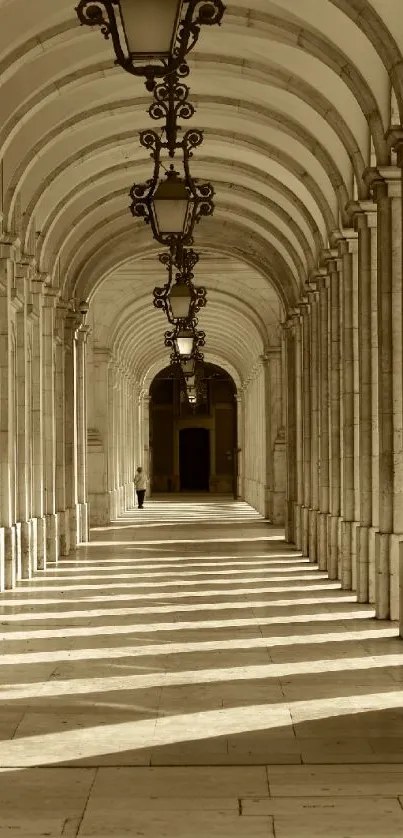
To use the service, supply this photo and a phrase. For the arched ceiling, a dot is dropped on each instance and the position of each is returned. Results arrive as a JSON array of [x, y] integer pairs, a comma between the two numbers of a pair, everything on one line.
[[294, 97]]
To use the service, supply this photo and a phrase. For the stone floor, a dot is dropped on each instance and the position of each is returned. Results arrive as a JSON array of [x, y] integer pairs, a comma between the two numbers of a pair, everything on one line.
[[189, 675]]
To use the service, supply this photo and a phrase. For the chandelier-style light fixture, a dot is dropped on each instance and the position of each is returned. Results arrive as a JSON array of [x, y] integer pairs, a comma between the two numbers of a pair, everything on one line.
[[151, 38], [179, 298]]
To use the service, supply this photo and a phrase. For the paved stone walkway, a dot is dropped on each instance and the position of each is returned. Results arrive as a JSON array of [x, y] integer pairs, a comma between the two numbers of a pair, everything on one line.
[[190, 675]]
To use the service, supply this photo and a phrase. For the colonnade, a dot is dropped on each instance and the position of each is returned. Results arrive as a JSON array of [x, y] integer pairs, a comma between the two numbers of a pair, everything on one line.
[[118, 434], [43, 432], [344, 412]]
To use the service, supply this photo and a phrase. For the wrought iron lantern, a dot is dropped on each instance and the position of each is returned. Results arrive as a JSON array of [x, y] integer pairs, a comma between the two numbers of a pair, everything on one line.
[[151, 38], [185, 341], [179, 298], [172, 206]]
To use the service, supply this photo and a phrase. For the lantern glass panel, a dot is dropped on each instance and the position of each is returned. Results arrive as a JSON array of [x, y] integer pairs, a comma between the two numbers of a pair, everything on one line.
[[171, 216], [184, 342], [171, 205], [188, 366], [180, 299], [150, 27]]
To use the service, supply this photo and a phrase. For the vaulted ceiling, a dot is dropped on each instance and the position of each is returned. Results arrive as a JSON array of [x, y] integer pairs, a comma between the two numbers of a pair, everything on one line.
[[295, 98]]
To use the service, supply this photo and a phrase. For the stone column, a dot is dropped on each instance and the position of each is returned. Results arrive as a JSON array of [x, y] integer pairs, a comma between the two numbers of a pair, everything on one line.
[[146, 435], [37, 424], [395, 140], [299, 430], [314, 356], [60, 423], [22, 424], [49, 429], [240, 444], [7, 495], [386, 189], [81, 407], [364, 218], [324, 409], [306, 422], [277, 470], [267, 437], [111, 451], [99, 440], [290, 430], [70, 430], [334, 417], [348, 249]]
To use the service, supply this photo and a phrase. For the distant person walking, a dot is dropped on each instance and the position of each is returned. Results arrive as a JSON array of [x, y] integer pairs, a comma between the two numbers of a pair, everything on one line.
[[140, 483]]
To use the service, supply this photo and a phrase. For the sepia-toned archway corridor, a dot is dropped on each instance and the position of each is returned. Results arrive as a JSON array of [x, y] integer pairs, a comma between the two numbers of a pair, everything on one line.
[[225, 662]]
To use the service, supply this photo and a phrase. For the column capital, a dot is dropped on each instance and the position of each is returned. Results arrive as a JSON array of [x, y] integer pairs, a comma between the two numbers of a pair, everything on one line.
[[102, 353], [349, 242], [383, 181], [82, 334], [394, 139], [50, 296], [362, 213]]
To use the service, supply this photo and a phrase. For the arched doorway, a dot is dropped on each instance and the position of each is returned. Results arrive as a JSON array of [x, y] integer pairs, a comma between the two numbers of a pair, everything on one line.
[[193, 447]]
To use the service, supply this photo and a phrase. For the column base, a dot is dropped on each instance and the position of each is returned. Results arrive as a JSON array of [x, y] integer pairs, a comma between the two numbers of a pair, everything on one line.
[[346, 567], [64, 532], [313, 535], [18, 551], [34, 540], [52, 538], [82, 520], [298, 526], [395, 542], [113, 505], [333, 531], [100, 509], [2, 561], [66, 545], [362, 564], [401, 588], [355, 530], [26, 549], [10, 557], [322, 540], [382, 575], [373, 532], [305, 531], [73, 527], [41, 543], [289, 533]]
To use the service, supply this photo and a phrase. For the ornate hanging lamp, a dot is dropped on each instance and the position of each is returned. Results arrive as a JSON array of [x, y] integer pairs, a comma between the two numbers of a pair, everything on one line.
[[185, 341], [151, 38], [179, 298], [172, 206]]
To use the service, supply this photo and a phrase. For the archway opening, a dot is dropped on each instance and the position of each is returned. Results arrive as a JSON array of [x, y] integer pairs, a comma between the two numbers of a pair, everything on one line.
[[193, 447]]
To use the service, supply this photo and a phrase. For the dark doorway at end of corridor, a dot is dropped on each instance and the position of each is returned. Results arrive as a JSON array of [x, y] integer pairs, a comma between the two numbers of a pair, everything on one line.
[[194, 459]]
